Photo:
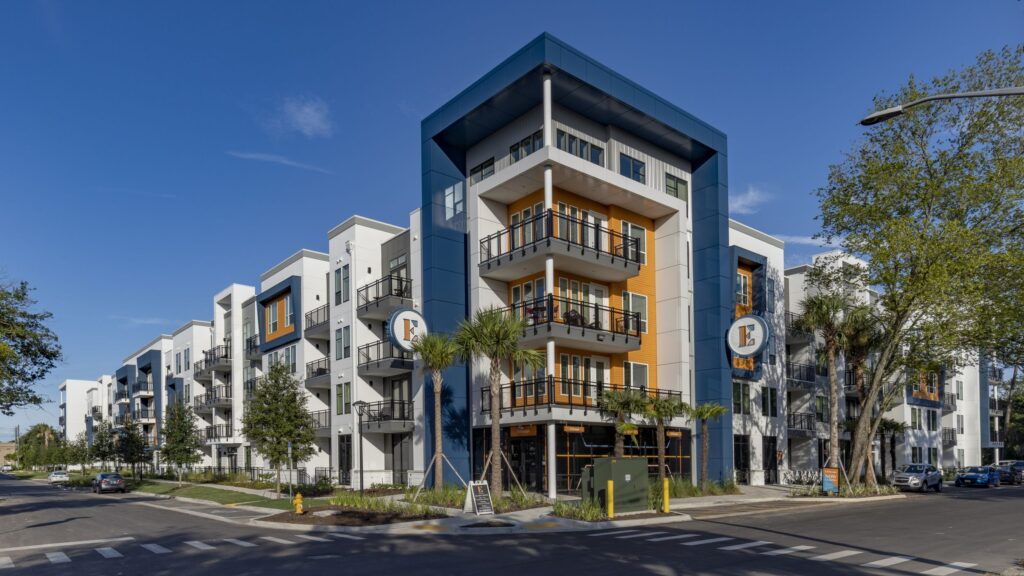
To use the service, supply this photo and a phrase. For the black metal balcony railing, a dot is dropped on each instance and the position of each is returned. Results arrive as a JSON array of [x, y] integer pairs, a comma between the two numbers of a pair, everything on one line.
[[321, 419], [551, 224], [218, 353], [794, 323], [318, 316], [120, 396], [997, 435], [547, 391], [199, 366], [379, 351], [386, 410], [218, 431], [319, 367], [199, 401], [994, 404], [145, 414], [252, 344], [389, 285], [250, 387], [801, 421], [557, 310], [949, 436], [800, 372], [141, 385], [219, 394], [948, 401]]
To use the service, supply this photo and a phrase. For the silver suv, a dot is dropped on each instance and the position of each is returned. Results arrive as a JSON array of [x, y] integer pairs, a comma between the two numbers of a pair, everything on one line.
[[918, 477]]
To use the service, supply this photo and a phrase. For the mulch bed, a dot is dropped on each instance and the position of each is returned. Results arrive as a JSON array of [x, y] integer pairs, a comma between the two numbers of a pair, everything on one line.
[[348, 517]]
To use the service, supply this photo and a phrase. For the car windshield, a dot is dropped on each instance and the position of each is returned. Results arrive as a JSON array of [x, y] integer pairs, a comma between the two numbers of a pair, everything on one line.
[[914, 468], [976, 470]]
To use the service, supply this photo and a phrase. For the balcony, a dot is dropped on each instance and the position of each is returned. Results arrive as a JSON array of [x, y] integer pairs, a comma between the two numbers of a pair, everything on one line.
[[318, 323], [145, 416], [97, 413], [249, 388], [322, 422], [318, 373], [995, 407], [219, 357], [142, 387], [202, 371], [151, 441], [377, 300], [531, 397], [252, 347], [948, 437], [578, 247], [577, 325], [200, 403], [121, 420], [218, 432], [121, 397], [800, 376], [388, 417], [794, 326], [802, 423], [382, 358], [995, 374], [219, 397], [948, 402]]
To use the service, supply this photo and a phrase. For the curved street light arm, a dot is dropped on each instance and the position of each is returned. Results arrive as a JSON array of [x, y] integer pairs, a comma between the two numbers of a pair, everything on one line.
[[888, 113]]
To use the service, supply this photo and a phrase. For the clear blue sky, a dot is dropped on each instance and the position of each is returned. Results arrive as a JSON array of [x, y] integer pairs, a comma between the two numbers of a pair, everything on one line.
[[143, 145]]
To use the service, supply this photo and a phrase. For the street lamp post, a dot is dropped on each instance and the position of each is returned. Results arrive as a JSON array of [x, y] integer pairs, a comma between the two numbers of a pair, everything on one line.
[[360, 407], [889, 113]]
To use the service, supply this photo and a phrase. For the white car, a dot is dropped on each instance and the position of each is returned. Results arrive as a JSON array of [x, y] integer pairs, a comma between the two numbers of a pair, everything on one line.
[[58, 477], [7, 468]]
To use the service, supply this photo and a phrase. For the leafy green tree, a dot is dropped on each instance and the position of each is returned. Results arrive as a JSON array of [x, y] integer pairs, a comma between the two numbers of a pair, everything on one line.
[[493, 334], [104, 447], [860, 338], [131, 445], [705, 413], [182, 445], [437, 352], [28, 349], [620, 405], [38, 446], [79, 451], [277, 415], [823, 314], [931, 200], [662, 409]]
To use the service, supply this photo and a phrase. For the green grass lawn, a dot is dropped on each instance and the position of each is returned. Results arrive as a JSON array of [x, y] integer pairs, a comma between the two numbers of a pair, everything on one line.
[[219, 495]]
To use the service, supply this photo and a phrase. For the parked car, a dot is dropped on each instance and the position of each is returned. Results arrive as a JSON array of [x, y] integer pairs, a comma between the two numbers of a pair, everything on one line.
[[1007, 475], [58, 477], [108, 482], [978, 476], [7, 468], [1016, 471], [918, 477]]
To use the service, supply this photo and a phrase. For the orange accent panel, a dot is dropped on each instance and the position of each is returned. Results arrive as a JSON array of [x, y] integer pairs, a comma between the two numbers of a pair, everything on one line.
[[282, 330], [745, 270]]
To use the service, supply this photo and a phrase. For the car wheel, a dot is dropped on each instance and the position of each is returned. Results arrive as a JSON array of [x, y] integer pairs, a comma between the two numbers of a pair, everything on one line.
[[957, 484], [122, 490], [938, 486]]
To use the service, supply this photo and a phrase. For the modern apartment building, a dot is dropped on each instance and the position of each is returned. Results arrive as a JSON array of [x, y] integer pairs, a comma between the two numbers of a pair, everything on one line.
[[141, 391], [78, 401]]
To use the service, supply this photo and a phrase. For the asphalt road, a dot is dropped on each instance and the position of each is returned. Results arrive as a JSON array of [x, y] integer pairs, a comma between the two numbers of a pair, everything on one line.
[[46, 531]]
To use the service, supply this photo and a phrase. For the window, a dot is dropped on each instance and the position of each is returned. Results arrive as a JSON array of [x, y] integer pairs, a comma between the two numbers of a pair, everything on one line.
[[933, 456], [579, 147], [337, 286], [396, 266], [526, 146], [959, 389], [770, 304], [632, 168], [289, 312], [631, 230], [177, 363], [345, 281], [742, 288], [632, 302], [272, 318], [188, 358], [339, 343], [933, 420], [454, 201], [915, 418], [915, 454], [959, 423], [821, 408], [289, 358], [345, 350], [933, 383], [770, 402], [343, 395], [740, 397], [481, 171], [634, 375], [677, 187], [772, 358]]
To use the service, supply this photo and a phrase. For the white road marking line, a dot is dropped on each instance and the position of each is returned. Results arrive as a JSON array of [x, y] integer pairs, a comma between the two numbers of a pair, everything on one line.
[[745, 546], [611, 533], [275, 539], [949, 569], [708, 541], [199, 545], [156, 548], [346, 536], [835, 555], [676, 537], [783, 551], [241, 543], [313, 538], [886, 562], [108, 552], [640, 535], [57, 558], [66, 544], [6, 562]]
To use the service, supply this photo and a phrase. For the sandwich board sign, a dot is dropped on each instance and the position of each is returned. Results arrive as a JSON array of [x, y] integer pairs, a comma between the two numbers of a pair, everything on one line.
[[830, 480], [478, 498]]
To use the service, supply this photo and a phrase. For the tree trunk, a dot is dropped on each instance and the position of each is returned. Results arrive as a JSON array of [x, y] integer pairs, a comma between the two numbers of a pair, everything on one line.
[[833, 416], [661, 450], [882, 457], [495, 427], [865, 422], [892, 451], [277, 488], [703, 454], [620, 439], [438, 459]]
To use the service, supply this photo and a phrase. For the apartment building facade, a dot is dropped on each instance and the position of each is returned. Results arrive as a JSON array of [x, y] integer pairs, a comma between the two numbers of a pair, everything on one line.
[[78, 401]]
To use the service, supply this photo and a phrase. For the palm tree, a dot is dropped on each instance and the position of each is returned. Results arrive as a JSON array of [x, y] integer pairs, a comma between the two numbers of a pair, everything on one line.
[[704, 413], [620, 405], [893, 429], [860, 337], [438, 352], [660, 409], [494, 334], [823, 314]]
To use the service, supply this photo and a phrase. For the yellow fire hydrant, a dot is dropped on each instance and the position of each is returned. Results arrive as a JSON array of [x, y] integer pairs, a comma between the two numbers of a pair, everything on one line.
[[297, 501]]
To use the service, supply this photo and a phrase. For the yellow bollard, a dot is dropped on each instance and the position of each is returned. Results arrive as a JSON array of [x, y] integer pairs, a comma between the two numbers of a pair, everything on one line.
[[664, 495], [298, 504], [611, 499]]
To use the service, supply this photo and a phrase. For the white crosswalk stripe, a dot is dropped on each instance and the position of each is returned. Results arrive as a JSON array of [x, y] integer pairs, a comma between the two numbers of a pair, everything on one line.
[[784, 551], [198, 545], [6, 562], [277, 540], [747, 545], [347, 536], [708, 541], [676, 537], [640, 535], [57, 557], [156, 548], [241, 543], [835, 555], [950, 568], [108, 552], [613, 533], [313, 538], [886, 562]]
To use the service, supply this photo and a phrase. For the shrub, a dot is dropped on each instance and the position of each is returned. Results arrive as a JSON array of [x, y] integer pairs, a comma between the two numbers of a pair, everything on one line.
[[323, 487], [448, 497], [515, 500], [586, 510], [359, 502], [845, 491]]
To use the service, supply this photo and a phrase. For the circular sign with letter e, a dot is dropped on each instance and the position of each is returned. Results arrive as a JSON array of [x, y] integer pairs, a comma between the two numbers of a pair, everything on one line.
[[748, 335], [404, 327]]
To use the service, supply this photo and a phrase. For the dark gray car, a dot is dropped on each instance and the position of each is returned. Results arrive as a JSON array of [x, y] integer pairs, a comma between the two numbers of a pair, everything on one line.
[[918, 477]]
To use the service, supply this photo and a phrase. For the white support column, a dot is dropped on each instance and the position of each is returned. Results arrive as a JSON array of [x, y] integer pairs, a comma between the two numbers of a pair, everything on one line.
[[552, 462], [549, 266], [548, 132]]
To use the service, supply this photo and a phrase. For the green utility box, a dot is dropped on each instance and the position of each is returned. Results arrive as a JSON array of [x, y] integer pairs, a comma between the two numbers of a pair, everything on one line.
[[631, 484]]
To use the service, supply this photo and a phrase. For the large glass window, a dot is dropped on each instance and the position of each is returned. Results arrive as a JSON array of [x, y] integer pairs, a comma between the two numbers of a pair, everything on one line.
[[526, 146], [915, 418], [580, 147], [770, 304], [177, 363], [343, 394], [188, 358], [272, 317], [289, 312], [337, 286], [742, 288], [633, 302], [454, 201], [346, 342], [345, 283], [632, 168], [677, 187], [821, 408], [481, 171], [634, 375], [640, 233], [740, 397], [770, 402]]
